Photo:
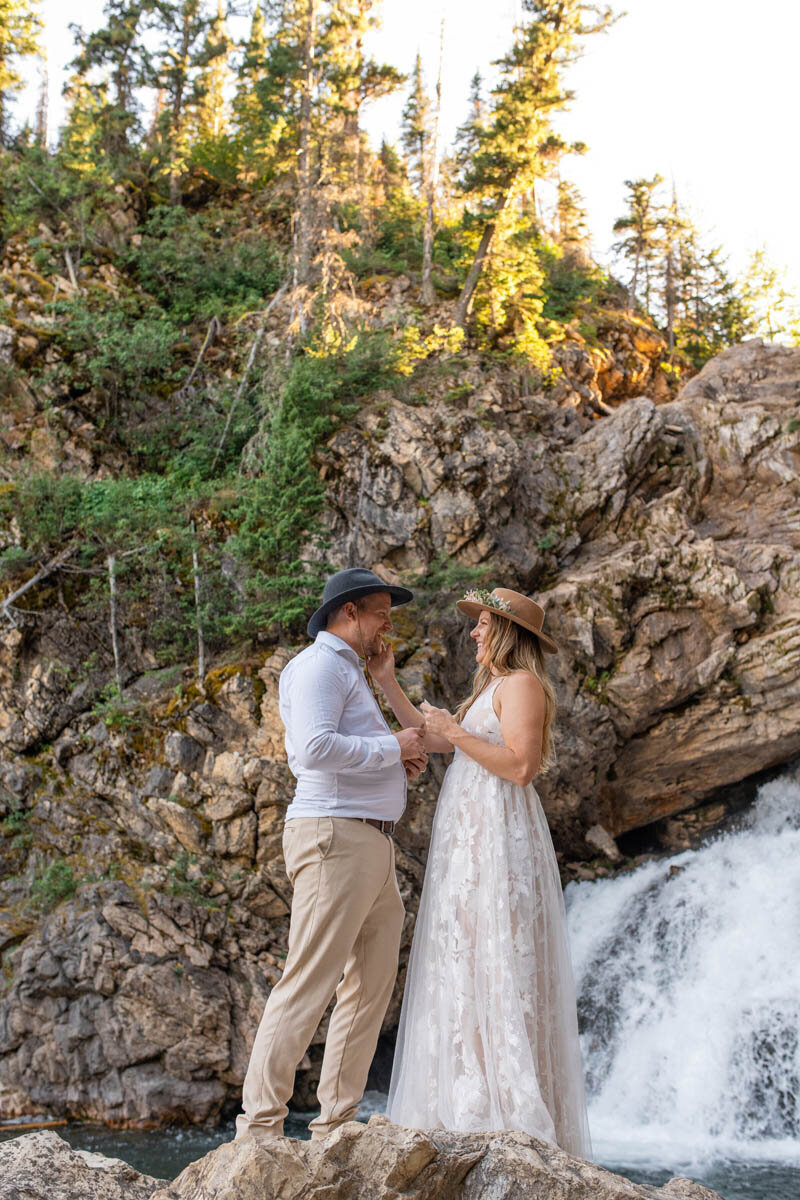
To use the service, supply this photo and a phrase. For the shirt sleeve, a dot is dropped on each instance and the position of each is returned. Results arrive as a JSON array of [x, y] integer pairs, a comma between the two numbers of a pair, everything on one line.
[[318, 693]]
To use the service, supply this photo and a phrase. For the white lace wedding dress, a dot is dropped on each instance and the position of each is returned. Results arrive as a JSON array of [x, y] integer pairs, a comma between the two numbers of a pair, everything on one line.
[[488, 1035]]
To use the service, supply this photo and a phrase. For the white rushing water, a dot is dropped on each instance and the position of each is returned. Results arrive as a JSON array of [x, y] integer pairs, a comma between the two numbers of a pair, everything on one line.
[[688, 976]]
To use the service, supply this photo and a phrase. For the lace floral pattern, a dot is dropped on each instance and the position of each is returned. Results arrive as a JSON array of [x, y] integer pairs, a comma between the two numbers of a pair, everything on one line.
[[488, 1035]]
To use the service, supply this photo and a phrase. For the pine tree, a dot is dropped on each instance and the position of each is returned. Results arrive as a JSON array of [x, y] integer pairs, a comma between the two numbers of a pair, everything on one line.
[[20, 26], [250, 119], [773, 312], [708, 309], [349, 80], [416, 129], [470, 134], [42, 105], [209, 116], [509, 147], [81, 138], [571, 217], [119, 52], [420, 137], [641, 226], [304, 216], [677, 234], [181, 57]]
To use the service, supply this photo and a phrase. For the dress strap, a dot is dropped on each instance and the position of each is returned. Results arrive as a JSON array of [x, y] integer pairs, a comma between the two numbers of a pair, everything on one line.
[[491, 689]]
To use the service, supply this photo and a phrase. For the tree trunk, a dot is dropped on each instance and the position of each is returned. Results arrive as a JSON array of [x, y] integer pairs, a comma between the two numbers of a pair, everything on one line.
[[303, 244], [428, 294], [670, 300], [471, 282], [112, 620], [177, 117], [201, 645], [634, 281]]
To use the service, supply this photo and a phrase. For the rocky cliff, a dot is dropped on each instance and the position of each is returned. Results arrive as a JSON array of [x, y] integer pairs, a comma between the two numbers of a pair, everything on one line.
[[144, 907]]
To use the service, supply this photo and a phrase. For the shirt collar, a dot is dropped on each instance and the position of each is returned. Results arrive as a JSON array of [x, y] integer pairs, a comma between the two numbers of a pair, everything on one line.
[[339, 645]]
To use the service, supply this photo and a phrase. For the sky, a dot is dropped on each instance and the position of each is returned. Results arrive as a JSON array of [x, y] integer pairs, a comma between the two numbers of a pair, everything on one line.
[[704, 92]]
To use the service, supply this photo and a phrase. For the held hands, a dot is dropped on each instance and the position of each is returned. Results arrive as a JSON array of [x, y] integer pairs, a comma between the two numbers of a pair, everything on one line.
[[412, 750], [415, 766], [439, 721], [412, 743]]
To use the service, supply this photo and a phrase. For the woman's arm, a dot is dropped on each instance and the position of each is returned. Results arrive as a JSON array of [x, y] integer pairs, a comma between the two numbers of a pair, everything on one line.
[[381, 668], [522, 721]]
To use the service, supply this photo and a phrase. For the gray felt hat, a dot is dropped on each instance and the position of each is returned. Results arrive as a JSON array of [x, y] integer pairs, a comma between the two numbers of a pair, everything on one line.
[[350, 585]]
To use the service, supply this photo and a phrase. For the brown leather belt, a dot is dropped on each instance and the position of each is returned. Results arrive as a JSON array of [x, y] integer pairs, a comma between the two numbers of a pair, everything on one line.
[[386, 827]]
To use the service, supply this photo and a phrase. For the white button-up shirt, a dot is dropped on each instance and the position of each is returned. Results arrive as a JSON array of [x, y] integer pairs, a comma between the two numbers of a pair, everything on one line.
[[341, 751]]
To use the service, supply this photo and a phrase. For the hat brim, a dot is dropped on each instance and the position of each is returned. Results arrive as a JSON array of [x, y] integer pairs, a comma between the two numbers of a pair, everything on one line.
[[319, 619], [474, 608]]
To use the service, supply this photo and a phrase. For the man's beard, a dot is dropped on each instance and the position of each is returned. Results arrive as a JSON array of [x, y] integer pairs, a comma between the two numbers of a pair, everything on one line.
[[373, 646]]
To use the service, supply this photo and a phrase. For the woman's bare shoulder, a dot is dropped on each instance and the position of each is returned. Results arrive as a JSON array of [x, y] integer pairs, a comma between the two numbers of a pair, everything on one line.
[[521, 687]]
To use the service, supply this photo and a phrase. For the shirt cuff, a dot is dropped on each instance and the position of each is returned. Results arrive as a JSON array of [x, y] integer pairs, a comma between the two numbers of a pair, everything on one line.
[[388, 750]]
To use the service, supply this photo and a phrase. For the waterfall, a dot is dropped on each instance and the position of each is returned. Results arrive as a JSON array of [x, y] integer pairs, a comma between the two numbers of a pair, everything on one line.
[[688, 978]]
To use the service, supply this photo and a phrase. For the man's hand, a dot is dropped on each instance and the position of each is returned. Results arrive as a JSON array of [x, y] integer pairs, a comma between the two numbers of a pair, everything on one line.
[[415, 766], [412, 742]]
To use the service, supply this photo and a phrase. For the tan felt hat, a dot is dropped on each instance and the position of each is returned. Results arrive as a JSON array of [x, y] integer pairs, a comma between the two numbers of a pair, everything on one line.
[[512, 605]]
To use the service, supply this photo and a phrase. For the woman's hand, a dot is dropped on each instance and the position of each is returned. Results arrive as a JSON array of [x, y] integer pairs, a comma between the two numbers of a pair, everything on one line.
[[381, 666], [439, 721]]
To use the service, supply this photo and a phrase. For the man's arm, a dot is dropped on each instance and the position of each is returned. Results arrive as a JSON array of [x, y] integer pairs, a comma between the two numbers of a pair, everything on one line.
[[317, 693]]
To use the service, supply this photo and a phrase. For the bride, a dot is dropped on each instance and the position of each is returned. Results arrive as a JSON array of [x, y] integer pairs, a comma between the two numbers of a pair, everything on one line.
[[488, 1035]]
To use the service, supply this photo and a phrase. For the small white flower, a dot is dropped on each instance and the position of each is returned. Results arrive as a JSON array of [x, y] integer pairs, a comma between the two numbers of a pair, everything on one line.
[[483, 596]]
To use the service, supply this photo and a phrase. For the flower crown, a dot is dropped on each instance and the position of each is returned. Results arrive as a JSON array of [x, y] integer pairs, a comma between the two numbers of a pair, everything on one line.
[[483, 596]]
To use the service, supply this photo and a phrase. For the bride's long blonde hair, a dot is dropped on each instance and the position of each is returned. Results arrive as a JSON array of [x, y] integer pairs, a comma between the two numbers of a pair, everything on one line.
[[508, 647]]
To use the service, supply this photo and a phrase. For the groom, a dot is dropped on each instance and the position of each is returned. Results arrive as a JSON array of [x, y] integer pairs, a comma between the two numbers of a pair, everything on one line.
[[347, 915]]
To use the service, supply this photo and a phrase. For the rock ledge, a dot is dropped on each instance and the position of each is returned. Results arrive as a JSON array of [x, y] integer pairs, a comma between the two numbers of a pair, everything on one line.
[[378, 1161]]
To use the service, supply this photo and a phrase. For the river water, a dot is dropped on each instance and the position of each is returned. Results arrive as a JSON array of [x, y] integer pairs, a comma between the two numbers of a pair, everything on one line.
[[688, 976]]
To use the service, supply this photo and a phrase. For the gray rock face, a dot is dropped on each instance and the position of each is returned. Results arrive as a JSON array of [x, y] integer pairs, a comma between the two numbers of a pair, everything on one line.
[[42, 1166], [663, 541]]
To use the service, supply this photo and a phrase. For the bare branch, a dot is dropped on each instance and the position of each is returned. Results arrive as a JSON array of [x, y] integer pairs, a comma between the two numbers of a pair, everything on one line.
[[214, 328], [250, 359], [46, 570]]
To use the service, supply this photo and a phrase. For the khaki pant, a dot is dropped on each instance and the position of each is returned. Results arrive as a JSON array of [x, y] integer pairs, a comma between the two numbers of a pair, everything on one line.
[[344, 936]]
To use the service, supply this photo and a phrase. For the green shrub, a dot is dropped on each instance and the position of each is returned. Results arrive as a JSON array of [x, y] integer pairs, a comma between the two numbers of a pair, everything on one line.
[[275, 511], [46, 508], [52, 884], [123, 348], [179, 883], [570, 286], [445, 575], [196, 265], [16, 827], [114, 711]]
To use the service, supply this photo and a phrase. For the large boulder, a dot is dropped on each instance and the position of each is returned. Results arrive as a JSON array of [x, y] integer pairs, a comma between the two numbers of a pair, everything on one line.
[[381, 1161], [42, 1166]]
